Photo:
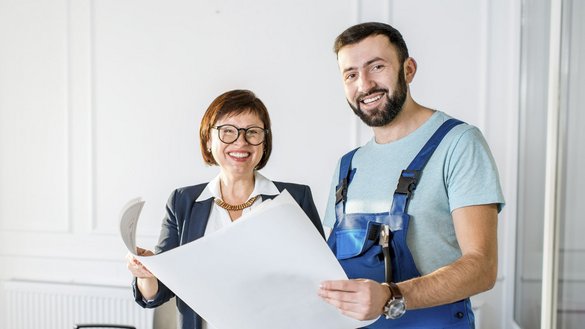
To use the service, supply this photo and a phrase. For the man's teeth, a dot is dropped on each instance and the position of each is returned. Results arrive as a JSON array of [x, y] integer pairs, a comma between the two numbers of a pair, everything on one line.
[[370, 100], [239, 154]]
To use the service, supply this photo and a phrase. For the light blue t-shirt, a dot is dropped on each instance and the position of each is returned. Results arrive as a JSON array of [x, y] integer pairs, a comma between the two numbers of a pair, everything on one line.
[[460, 173]]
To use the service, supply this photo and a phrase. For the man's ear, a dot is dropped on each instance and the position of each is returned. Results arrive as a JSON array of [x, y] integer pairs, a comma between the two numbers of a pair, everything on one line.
[[409, 69]]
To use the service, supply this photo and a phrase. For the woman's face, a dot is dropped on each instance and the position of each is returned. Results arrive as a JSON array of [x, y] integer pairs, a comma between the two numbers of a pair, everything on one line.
[[238, 158]]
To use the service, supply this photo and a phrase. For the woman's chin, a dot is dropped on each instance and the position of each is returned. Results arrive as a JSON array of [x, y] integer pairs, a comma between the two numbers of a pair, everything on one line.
[[239, 170]]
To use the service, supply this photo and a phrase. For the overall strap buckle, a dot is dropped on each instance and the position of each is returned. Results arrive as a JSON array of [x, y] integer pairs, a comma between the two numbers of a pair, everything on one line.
[[345, 175], [407, 181], [341, 192]]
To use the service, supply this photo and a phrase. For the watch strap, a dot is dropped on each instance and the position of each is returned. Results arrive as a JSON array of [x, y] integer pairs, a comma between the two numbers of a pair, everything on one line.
[[395, 297], [394, 290]]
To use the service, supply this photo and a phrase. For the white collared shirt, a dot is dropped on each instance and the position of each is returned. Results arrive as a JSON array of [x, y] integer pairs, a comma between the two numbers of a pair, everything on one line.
[[220, 218]]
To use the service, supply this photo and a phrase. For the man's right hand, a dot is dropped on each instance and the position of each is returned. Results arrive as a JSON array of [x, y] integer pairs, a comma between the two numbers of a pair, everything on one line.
[[360, 299]]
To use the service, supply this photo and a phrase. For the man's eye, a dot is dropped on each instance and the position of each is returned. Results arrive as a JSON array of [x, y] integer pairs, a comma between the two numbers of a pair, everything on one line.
[[377, 67], [350, 76]]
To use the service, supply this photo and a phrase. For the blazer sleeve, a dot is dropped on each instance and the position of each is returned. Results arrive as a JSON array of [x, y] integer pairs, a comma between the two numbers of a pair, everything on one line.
[[308, 206], [168, 239]]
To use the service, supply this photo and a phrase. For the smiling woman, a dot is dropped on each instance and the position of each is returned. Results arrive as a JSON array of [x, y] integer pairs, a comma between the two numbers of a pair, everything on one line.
[[239, 154], [234, 135]]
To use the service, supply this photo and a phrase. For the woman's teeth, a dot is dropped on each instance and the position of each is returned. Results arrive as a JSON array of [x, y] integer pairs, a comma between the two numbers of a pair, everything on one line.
[[239, 154]]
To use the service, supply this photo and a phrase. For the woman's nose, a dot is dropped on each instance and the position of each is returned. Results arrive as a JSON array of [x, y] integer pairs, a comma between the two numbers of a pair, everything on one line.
[[241, 138]]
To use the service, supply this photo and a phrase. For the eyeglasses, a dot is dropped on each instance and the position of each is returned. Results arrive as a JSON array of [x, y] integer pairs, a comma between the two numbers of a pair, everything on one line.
[[230, 133]]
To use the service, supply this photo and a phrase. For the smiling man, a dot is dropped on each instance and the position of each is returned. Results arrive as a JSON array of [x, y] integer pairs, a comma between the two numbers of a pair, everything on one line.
[[414, 211]]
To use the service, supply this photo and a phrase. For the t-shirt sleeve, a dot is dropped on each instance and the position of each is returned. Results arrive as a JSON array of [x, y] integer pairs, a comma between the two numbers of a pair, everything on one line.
[[472, 175]]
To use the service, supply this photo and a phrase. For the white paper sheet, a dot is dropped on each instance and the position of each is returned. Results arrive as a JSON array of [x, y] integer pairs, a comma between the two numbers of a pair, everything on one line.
[[129, 221], [263, 271]]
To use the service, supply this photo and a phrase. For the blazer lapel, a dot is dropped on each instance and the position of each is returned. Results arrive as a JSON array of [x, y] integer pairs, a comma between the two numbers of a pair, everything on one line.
[[267, 197], [198, 219]]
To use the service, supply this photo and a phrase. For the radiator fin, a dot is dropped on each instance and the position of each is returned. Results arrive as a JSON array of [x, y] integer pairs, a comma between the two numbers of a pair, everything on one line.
[[45, 305]]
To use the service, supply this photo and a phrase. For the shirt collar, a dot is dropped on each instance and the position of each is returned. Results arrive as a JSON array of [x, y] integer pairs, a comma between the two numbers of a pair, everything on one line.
[[262, 185]]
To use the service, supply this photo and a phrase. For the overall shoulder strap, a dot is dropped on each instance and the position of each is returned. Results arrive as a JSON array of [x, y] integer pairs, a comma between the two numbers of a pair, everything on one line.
[[429, 148], [409, 177], [345, 175]]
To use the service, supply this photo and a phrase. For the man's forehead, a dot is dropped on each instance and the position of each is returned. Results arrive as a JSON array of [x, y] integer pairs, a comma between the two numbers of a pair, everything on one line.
[[366, 51], [379, 40]]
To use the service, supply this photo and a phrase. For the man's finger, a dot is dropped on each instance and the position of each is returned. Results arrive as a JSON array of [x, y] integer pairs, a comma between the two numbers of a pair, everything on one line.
[[340, 285]]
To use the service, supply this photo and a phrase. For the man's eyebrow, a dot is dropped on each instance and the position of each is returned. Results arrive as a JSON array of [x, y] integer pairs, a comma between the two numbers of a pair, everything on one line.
[[373, 60]]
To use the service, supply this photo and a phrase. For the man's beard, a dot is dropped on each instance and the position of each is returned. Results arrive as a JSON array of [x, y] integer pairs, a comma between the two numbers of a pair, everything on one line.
[[379, 117]]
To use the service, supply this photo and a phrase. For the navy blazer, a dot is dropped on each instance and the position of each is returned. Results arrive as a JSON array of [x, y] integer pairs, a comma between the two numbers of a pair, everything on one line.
[[186, 220]]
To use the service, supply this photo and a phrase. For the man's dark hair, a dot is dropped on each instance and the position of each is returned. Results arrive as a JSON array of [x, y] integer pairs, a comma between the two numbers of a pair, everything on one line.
[[361, 31]]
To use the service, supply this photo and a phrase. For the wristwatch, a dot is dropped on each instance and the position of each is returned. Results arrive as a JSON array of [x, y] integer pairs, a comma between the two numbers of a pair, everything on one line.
[[395, 306]]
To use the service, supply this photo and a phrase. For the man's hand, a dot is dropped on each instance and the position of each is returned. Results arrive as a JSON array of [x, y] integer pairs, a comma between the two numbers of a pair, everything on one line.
[[360, 299]]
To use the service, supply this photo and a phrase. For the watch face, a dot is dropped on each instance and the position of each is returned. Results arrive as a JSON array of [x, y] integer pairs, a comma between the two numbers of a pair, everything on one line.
[[396, 309]]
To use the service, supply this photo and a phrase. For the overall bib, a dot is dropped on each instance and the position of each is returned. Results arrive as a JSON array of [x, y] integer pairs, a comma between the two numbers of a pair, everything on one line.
[[373, 245]]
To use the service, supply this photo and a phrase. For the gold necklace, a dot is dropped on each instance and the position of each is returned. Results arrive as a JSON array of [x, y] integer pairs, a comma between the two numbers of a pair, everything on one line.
[[236, 207]]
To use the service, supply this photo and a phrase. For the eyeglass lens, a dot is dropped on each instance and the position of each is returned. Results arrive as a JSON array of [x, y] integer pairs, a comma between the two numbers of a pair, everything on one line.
[[229, 134]]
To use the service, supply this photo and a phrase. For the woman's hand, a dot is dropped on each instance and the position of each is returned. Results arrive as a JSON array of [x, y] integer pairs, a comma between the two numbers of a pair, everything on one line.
[[135, 266], [146, 282]]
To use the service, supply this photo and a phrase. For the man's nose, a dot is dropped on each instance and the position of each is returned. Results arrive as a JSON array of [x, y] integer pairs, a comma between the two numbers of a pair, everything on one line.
[[365, 83]]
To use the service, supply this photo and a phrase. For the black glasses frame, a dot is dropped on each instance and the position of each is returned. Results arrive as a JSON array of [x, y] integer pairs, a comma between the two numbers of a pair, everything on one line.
[[245, 130]]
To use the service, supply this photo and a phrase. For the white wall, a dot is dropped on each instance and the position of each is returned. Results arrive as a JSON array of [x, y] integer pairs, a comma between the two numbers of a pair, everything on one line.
[[100, 102], [570, 299]]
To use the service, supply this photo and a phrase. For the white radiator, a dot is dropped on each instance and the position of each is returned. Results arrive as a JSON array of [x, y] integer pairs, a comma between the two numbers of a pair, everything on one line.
[[44, 305]]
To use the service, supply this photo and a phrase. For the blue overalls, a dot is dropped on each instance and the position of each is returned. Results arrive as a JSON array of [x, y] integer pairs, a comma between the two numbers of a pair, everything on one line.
[[373, 245]]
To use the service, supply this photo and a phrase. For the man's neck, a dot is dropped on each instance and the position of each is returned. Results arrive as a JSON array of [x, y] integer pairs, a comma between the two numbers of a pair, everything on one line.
[[408, 120]]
